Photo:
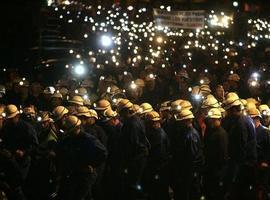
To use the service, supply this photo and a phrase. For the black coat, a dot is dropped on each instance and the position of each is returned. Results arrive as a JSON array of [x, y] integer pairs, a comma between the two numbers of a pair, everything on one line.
[[133, 140], [216, 148], [76, 153], [263, 144], [21, 136]]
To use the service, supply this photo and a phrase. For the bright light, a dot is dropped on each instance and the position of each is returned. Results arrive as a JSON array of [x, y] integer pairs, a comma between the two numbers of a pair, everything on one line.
[[130, 8], [106, 41], [255, 75], [39, 119], [85, 96], [159, 39], [79, 70], [235, 4], [133, 85], [197, 97]]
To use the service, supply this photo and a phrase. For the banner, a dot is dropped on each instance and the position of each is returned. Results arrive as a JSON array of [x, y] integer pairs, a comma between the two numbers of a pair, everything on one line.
[[192, 19]]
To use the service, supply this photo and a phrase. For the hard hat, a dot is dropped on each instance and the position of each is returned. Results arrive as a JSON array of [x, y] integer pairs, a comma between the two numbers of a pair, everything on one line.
[[250, 106], [244, 102], [102, 104], [62, 83], [186, 105], [59, 112], [254, 112], [214, 113], [232, 95], [146, 107], [264, 109], [252, 100], [232, 101], [63, 91], [44, 117], [210, 102], [196, 90], [71, 122], [165, 106], [93, 113], [87, 102], [183, 114], [57, 95], [139, 83], [81, 91], [78, 100], [234, 77], [136, 108], [124, 104], [109, 114], [153, 116], [83, 111], [175, 105], [11, 111], [113, 89], [205, 89], [49, 90]]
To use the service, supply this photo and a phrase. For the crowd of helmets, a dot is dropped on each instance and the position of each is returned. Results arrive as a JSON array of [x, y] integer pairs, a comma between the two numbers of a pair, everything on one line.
[[72, 107]]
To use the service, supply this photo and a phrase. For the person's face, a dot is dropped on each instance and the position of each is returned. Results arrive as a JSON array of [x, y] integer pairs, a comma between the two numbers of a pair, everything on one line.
[[220, 92], [15, 119], [156, 125], [45, 124], [187, 123], [266, 120]]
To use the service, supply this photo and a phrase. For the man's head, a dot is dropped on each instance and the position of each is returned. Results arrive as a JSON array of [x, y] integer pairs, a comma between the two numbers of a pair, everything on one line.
[[60, 113], [184, 117], [256, 116], [153, 120], [72, 125], [214, 117], [12, 114]]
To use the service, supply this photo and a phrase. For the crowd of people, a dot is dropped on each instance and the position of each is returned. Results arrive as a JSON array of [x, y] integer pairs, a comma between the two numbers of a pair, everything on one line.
[[183, 115], [81, 140]]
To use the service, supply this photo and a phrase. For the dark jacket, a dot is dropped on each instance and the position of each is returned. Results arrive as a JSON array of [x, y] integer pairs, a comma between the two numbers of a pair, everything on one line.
[[159, 151], [215, 148], [21, 136], [76, 153], [242, 139], [133, 140], [263, 144], [98, 132], [186, 148]]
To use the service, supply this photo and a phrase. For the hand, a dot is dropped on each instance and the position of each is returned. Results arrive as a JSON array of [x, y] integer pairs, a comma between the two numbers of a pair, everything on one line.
[[19, 153]]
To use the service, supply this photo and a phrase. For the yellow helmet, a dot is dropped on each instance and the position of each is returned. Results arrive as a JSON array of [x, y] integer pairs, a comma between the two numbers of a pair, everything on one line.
[[145, 108], [83, 111], [124, 103], [59, 112], [78, 100], [153, 116], [71, 122], [184, 114], [102, 104], [214, 113], [11, 111]]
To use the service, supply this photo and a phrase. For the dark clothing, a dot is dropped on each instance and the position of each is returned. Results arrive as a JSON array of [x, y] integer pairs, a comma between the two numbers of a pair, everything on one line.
[[216, 156], [156, 172], [134, 150], [98, 132], [263, 144], [187, 159], [77, 157], [240, 174], [216, 148], [21, 136], [242, 139], [113, 167]]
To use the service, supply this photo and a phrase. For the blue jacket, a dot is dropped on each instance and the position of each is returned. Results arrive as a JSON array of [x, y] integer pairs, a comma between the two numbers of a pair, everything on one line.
[[241, 139]]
